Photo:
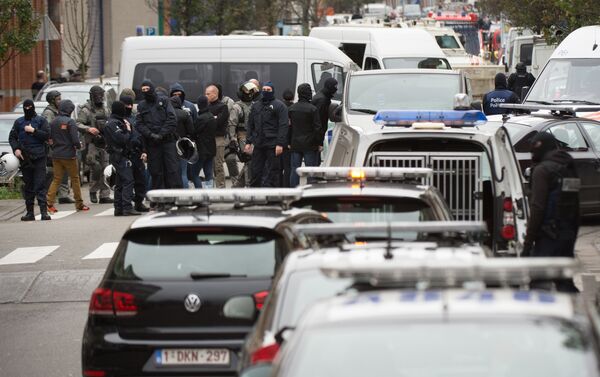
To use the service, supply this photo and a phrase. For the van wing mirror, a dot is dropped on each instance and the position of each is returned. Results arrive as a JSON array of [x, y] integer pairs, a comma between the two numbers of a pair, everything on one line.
[[524, 91], [335, 112], [240, 307]]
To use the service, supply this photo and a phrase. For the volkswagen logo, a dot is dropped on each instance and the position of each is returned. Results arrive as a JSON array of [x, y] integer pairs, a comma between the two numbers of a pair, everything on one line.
[[192, 303]]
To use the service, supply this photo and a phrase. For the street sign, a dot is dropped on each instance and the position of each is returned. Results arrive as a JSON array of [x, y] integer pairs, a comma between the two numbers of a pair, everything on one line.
[[150, 30]]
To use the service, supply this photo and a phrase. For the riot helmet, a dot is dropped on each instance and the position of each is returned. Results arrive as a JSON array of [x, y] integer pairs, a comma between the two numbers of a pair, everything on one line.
[[9, 166], [186, 150]]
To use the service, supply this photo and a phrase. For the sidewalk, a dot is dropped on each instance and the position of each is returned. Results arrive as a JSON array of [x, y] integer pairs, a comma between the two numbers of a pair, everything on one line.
[[11, 208]]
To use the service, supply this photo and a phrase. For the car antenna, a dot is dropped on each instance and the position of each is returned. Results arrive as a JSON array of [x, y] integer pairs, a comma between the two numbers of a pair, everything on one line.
[[388, 249]]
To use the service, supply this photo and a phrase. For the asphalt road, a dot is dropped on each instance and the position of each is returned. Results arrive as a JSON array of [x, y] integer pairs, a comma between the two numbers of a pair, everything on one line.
[[49, 269]]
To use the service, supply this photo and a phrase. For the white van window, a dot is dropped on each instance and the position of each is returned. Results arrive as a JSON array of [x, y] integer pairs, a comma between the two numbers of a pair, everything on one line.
[[566, 80], [446, 41], [526, 53], [321, 72], [371, 63], [371, 93], [194, 77], [431, 63]]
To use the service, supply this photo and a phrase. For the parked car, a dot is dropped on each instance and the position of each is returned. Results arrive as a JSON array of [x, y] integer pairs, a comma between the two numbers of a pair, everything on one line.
[[578, 136], [173, 296], [6, 123]]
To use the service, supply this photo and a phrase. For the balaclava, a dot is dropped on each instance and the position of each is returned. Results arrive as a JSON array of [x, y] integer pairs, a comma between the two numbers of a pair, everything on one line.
[[268, 96], [128, 101], [304, 92], [330, 87], [150, 95], [500, 81], [118, 109], [29, 109], [97, 95], [541, 144]]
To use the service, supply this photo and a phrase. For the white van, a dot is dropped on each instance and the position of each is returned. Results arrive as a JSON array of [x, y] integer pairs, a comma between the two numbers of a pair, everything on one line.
[[572, 75], [542, 52], [196, 61], [385, 48]]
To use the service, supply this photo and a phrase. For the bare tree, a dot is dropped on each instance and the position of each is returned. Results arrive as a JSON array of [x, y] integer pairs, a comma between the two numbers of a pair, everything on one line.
[[80, 36], [309, 12]]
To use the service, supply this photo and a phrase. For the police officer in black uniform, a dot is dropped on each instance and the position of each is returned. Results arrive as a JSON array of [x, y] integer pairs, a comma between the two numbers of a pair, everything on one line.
[[119, 137], [27, 139], [501, 94], [554, 220], [157, 123], [268, 126]]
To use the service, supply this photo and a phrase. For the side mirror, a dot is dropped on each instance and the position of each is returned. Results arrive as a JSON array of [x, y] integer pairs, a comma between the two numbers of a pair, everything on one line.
[[240, 307], [527, 173], [335, 113], [524, 91], [477, 105], [259, 370]]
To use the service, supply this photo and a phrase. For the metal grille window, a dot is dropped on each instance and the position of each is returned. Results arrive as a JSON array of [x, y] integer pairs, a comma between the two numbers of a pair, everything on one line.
[[458, 176]]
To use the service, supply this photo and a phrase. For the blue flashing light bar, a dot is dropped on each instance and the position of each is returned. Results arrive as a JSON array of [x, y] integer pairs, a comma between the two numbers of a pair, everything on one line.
[[450, 118]]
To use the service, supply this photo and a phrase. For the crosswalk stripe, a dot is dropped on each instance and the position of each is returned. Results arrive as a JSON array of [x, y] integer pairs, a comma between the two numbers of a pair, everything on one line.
[[27, 254], [108, 212], [106, 250], [57, 215]]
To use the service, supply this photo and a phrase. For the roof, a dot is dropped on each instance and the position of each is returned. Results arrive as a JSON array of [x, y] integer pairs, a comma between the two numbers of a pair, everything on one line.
[[579, 44], [251, 217], [406, 71], [394, 190], [374, 251], [443, 305]]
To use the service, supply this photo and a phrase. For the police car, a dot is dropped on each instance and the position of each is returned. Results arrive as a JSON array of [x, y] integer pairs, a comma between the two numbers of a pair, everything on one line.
[[473, 164], [300, 281], [185, 283], [577, 135], [346, 194], [469, 332]]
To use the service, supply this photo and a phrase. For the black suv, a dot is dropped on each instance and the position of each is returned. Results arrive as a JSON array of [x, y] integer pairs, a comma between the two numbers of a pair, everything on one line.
[[186, 283]]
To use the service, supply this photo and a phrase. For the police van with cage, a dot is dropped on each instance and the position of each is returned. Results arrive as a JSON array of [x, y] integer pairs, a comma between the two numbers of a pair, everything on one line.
[[474, 166], [170, 299], [443, 317], [300, 281]]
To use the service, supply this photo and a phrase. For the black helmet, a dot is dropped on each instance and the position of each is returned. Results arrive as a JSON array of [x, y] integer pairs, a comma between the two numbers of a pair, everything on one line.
[[186, 150], [243, 156], [51, 96]]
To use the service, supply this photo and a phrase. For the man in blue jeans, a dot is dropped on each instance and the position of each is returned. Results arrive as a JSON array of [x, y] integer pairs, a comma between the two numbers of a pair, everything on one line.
[[305, 133]]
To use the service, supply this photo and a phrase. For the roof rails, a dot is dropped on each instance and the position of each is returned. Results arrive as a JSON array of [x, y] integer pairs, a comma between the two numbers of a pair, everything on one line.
[[366, 173], [558, 109], [452, 272], [466, 231], [449, 118], [238, 197]]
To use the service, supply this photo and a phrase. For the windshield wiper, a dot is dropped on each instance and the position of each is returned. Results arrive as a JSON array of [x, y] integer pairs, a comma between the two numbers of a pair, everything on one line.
[[540, 102], [213, 275], [585, 102], [366, 111]]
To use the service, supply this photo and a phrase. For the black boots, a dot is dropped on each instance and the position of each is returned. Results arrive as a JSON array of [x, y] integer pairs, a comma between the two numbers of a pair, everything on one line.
[[140, 207], [28, 216], [44, 213], [93, 197]]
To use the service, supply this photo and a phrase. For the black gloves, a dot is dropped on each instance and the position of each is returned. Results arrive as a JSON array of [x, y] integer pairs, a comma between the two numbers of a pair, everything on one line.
[[156, 138]]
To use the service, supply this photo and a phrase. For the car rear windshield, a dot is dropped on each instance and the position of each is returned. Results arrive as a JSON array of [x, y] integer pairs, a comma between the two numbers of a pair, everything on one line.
[[5, 127], [196, 252], [369, 208], [523, 348]]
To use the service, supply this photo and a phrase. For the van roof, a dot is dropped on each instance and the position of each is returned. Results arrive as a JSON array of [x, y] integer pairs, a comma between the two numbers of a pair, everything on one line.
[[579, 44], [214, 41], [392, 42]]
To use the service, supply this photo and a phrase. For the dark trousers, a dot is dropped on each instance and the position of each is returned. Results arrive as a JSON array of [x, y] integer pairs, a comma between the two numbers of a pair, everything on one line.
[[34, 179], [266, 169], [139, 179], [548, 247], [123, 185], [311, 158], [164, 166], [285, 161]]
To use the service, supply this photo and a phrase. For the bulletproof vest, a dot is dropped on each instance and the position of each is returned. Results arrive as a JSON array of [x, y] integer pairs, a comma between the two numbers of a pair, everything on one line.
[[243, 119], [562, 208], [99, 116]]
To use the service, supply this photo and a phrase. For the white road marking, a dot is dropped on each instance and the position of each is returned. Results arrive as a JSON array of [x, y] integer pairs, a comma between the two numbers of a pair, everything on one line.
[[57, 215], [106, 250], [27, 254], [108, 212]]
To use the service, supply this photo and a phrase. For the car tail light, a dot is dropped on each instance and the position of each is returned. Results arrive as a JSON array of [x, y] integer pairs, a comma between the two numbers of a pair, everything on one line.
[[265, 354], [94, 373], [508, 231], [105, 301], [259, 299]]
